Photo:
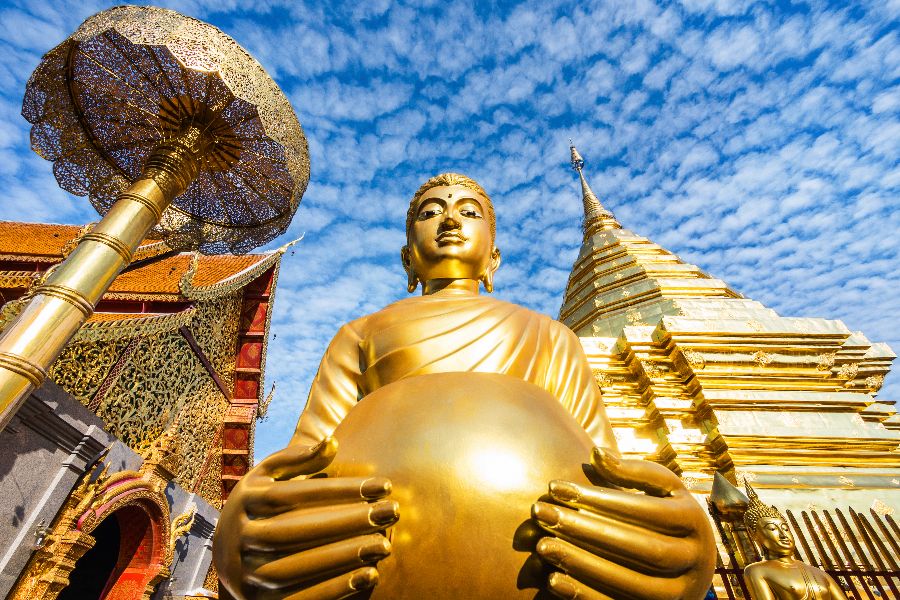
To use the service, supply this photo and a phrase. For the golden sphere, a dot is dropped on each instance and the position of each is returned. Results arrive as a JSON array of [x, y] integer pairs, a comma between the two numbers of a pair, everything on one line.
[[468, 454]]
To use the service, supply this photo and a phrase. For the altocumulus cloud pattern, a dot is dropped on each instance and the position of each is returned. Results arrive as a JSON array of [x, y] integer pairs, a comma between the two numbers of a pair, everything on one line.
[[758, 140]]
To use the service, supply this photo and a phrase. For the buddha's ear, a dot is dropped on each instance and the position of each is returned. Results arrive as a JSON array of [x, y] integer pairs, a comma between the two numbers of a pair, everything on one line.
[[495, 259], [488, 278], [412, 280], [404, 257]]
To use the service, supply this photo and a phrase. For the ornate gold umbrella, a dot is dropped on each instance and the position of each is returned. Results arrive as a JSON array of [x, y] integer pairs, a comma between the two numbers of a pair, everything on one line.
[[172, 130]]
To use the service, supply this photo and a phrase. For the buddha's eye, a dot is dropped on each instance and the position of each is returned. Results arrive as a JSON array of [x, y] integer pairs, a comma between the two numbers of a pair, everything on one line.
[[429, 212], [470, 213]]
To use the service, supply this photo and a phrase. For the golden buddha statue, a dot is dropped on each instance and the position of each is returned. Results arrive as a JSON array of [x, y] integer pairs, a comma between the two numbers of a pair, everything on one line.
[[456, 446], [781, 576]]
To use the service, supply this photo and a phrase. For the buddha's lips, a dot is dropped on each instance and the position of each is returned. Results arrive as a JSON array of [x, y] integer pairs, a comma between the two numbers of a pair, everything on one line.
[[451, 236]]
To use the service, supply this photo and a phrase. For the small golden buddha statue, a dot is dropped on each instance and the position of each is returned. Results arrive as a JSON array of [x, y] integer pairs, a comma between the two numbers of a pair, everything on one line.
[[456, 446], [781, 576]]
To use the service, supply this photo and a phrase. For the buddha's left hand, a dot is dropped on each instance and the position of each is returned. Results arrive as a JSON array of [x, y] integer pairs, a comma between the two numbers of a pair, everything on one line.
[[653, 544]]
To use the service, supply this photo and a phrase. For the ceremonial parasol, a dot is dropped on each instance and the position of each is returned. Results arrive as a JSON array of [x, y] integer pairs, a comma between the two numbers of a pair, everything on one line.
[[172, 130]]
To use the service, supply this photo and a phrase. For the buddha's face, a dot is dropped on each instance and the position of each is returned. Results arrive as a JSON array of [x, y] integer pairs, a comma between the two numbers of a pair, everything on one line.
[[450, 235], [773, 534]]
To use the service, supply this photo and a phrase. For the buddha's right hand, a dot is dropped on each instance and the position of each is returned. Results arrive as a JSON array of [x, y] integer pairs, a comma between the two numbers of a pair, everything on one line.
[[298, 539]]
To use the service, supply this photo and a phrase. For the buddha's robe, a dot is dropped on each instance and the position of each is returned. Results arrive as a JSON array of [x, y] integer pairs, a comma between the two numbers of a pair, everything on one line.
[[451, 332], [790, 579]]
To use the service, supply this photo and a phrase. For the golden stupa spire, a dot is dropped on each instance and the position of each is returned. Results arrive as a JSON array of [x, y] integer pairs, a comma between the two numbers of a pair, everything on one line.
[[596, 217]]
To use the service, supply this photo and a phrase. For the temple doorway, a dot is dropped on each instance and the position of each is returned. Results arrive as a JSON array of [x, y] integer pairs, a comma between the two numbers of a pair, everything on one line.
[[123, 560], [88, 579]]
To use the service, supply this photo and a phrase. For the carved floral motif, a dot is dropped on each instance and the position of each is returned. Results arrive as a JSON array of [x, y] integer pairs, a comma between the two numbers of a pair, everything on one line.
[[825, 362], [874, 382], [848, 371]]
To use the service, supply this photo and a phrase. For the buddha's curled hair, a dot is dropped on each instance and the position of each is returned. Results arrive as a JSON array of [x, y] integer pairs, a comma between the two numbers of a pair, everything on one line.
[[756, 510]]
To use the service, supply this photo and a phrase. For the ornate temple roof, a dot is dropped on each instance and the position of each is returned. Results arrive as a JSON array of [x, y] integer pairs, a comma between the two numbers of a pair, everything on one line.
[[34, 241], [155, 274]]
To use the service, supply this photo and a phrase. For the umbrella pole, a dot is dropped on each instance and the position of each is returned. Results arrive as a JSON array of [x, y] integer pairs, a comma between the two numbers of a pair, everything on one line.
[[67, 297]]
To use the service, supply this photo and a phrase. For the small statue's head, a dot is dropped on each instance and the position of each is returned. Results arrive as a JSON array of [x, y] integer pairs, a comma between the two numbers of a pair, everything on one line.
[[768, 527], [450, 230]]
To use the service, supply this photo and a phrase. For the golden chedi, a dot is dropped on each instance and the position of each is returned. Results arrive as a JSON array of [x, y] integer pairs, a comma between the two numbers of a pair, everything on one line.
[[456, 446], [781, 576]]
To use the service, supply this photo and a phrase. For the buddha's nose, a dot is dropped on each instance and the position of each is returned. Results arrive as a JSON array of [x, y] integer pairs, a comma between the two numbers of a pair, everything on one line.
[[449, 223]]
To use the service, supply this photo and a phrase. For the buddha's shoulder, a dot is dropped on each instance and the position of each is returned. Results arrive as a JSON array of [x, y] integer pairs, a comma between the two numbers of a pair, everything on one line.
[[767, 566], [761, 570], [442, 303]]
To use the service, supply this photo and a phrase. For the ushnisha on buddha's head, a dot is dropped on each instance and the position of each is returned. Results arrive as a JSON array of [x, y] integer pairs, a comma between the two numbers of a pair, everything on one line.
[[450, 231], [768, 527]]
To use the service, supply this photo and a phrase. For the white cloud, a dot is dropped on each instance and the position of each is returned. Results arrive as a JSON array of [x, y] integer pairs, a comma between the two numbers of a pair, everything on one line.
[[757, 141]]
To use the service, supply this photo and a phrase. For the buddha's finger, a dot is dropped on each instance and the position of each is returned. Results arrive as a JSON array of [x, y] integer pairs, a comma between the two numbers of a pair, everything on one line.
[[649, 477], [338, 587], [631, 546], [296, 460], [280, 496], [671, 516], [337, 557], [302, 528], [606, 576], [569, 588]]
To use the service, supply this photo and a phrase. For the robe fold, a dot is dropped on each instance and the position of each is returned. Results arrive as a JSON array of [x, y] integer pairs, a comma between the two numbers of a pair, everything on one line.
[[451, 332]]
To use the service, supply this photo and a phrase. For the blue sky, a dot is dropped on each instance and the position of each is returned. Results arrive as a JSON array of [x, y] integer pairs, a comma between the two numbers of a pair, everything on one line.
[[758, 140]]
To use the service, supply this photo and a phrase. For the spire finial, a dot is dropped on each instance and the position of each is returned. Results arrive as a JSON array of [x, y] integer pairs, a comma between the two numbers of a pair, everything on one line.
[[577, 161], [596, 217]]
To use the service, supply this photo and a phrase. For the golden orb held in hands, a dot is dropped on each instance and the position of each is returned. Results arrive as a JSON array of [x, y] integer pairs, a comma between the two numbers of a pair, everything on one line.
[[465, 492]]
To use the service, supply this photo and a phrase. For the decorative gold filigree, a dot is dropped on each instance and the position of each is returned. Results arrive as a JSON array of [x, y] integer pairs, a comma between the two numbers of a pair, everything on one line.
[[98, 130], [212, 579], [602, 379], [848, 371], [826, 362], [102, 331], [695, 359], [874, 382], [82, 368], [265, 342], [18, 279], [652, 369], [762, 359], [161, 383], [263, 407]]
